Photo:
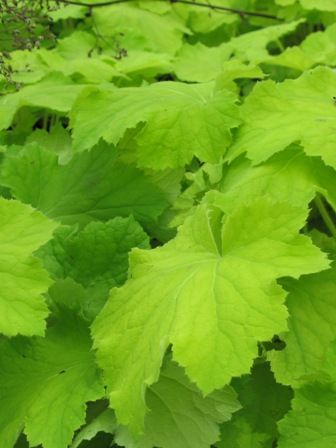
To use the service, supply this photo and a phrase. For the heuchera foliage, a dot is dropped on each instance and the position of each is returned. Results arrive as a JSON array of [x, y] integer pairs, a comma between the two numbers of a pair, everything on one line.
[[167, 228]]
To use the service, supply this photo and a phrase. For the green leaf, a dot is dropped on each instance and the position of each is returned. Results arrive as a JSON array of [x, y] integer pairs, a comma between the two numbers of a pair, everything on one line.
[[68, 11], [75, 56], [312, 326], [23, 279], [240, 434], [67, 293], [96, 257], [211, 292], [92, 186], [322, 5], [55, 92], [201, 63], [202, 20], [179, 416], [317, 48], [195, 121], [144, 64], [304, 107], [57, 140], [134, 28], [104, 422], [289, 175], [326, 243], [45, 383], [311, 422], [264, 402]]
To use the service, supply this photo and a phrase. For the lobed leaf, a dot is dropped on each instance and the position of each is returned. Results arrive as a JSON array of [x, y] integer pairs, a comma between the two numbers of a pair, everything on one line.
[[264, 402], [45, 383], [179, 416], [311, 325], [181, 121], [54, 92], [92, 186], [95, 257], [23, 280], [304, 107], [211, 292]]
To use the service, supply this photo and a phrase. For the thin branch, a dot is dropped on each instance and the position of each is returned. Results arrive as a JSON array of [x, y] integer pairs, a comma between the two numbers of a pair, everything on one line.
[[240, 12]]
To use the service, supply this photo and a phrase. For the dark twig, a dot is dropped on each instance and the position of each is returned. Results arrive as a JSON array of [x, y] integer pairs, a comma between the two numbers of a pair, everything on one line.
[[240, 12]]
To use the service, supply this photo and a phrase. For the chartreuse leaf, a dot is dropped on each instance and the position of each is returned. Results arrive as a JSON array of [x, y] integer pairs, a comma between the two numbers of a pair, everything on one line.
[[92, 186], [322, 5], [180, 417], [304, 107], [201, 63], [143, 65], [288, 175], [75, 56], [211, 292], [57, 140], [182, 121], [317, 48], [96, 257], [312, 326], [55, 92], [67, 11], [264, 402], [45, 383], [23, 279], [135, 28], [311, 422]]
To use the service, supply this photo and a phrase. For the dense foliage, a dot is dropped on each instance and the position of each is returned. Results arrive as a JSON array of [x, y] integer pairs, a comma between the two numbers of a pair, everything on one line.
[[167, 235]]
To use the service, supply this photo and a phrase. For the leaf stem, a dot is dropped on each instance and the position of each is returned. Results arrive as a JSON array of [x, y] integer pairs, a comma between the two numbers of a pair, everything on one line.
[[325, 215], [45, 121], [279, 44]]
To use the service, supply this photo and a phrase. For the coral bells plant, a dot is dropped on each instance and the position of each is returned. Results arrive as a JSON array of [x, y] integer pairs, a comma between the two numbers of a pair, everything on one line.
[[167, 224]]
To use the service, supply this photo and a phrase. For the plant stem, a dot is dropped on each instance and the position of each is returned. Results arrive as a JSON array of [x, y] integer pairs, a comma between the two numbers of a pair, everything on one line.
[[240, 12], [325, 215], [279, 44], [45, 121]]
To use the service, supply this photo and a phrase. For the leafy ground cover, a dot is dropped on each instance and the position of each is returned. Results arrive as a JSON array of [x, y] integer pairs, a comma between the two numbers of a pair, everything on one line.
[[167, 228]]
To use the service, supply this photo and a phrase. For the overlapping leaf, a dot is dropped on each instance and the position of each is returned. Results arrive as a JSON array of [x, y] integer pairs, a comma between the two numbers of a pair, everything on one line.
[[317, 48], [288, 175], [92, 186], [211, 292], [105, 423], [22, 277], [96, 257], [179, 416], [311, 324], [201, 63], [311, 422], [55, 92], [135, 28], [264, 402], [322, 5], [45, 383], [181, 121], [296, 110]]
